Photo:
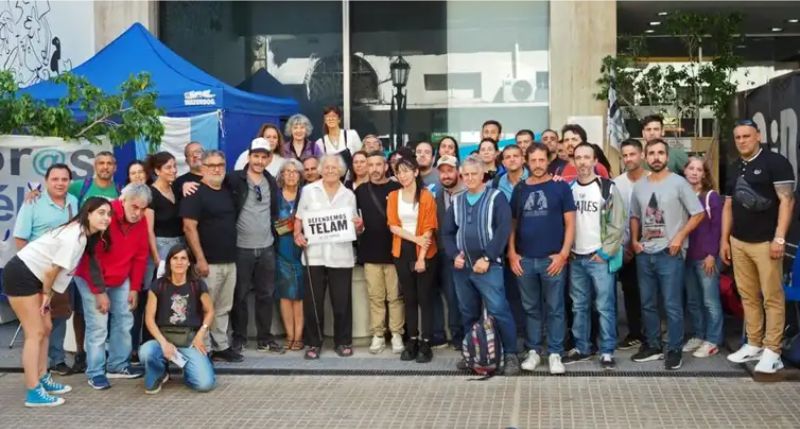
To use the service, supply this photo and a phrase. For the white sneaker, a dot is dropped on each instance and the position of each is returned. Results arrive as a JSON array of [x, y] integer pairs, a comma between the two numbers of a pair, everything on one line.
[[770, 362], [746, 353], [706, 350], [556, 367], [377, 345], [397, 344], [532, 361], [693, 344]]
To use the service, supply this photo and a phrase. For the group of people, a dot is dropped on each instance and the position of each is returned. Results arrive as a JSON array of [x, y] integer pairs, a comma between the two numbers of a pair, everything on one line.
[[538, 233]]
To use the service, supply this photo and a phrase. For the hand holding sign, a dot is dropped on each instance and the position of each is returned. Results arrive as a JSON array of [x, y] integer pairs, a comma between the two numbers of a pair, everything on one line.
[[329, 226]]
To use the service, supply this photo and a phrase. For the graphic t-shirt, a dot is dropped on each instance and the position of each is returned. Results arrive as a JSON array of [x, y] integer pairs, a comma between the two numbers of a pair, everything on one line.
[[179, 305], [588, 201], [539, 212], [662, 208]]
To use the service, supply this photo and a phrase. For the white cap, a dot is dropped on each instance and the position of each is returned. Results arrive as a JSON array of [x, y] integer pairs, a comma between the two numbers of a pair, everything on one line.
[[260, 143]]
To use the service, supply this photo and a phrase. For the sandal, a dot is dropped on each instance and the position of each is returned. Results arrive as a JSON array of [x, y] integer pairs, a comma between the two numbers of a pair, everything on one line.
[[312, 353], [288, 344], [297, 346], [344, 351]]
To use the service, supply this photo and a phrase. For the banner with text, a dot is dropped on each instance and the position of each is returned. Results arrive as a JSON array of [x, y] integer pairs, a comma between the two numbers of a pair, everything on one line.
[[24, 160], [329, 226]]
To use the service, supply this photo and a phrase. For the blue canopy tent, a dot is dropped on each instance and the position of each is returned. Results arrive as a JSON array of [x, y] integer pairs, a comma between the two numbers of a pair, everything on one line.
[[183, 89]]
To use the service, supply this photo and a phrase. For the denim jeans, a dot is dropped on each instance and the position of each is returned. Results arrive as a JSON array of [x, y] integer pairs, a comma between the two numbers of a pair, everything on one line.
[[448, 288], [590, 278], [472, 287], [198, 373], [536, 286], [514, 299], [55, 349], [661, 273], [703, 302], [98, 329]]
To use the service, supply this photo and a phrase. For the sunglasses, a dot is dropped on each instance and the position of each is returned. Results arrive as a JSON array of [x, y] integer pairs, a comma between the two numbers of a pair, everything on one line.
[[259, 195]]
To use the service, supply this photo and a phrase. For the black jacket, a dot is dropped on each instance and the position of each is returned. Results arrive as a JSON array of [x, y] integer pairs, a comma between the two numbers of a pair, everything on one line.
[[237, 183]]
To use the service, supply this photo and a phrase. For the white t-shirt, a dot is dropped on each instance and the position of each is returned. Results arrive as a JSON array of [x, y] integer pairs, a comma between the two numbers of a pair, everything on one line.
[[408, 214], [313, 198], [589, 202], [273, 167], [625, 188], [59, 246], [353, 142]]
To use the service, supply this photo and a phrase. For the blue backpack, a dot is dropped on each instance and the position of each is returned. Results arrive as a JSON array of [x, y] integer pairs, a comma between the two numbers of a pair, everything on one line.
[[482, 348]]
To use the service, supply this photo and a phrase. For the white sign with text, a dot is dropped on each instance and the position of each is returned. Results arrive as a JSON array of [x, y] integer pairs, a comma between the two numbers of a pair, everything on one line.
[[329, 226]]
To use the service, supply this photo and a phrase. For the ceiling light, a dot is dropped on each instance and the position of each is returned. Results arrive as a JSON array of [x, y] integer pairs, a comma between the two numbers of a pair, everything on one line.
[[663, 13], [649, 31], [793, 20], [655, 23], [777, 29]]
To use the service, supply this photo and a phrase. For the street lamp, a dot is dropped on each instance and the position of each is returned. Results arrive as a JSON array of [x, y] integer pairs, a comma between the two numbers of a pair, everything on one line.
[[399, 70]]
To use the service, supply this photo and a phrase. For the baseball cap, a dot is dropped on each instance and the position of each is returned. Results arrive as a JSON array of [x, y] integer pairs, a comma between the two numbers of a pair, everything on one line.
[[747, 122], [261, 144], [447, 160]]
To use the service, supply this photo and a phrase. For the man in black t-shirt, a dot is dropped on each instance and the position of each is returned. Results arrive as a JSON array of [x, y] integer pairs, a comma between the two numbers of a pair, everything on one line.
[[194, 159], [375, 252], [209, 222], [757, 212]]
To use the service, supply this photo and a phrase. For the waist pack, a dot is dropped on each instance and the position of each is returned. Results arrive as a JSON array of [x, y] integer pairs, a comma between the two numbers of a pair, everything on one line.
[[482, 348], [179, 336], [745, 195]]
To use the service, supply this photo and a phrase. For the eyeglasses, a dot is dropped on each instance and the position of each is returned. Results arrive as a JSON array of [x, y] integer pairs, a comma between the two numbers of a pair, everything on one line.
[[747, 123], [214, 166], [259, 196]]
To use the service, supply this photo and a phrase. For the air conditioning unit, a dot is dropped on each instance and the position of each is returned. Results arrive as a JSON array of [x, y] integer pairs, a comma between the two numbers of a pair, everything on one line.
[[519, 90]]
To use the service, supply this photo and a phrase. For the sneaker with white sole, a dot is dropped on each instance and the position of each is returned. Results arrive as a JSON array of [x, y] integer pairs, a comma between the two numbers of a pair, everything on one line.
[[377, 345], [770, 362], [51, 387], [746, 353], [693, 344], [706, 350], [556, 367], [128, 372], [38, 397], [532, 361], [397, 344]]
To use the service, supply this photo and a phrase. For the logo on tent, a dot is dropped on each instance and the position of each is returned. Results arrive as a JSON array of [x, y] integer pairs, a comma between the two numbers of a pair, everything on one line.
[[199, 98]]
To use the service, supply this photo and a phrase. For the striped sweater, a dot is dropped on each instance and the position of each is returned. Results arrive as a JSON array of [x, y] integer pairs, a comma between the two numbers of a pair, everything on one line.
[[479, 229]]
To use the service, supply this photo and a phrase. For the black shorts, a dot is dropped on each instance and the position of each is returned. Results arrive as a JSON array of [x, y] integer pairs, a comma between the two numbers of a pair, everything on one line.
[[18, 280]]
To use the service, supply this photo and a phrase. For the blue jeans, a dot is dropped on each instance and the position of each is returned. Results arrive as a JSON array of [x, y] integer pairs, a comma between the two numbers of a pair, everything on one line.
[[471, 287], [448, 289], [198, 373], [590, 278], [98, 329], [514, 299], [55, 349], [703, 303], [661, 273], [536, 286]]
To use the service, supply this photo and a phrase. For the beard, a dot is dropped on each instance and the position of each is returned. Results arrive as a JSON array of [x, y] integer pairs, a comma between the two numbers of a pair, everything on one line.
[[657, 167]]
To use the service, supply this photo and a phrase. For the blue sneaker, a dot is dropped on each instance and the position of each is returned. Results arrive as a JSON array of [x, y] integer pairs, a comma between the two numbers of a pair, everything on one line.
[[156, 387], [38, 397], [128, 372], [51, 387], [99, 382]]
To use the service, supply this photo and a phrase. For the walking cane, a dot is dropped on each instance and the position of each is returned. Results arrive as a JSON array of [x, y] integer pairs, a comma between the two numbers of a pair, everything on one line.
[[313, 297]]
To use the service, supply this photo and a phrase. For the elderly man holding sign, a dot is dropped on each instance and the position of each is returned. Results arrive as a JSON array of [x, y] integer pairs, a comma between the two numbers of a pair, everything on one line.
[[325, 225]]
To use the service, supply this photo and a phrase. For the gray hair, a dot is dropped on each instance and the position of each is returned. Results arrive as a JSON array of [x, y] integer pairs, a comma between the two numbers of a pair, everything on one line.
[[290, 162], [335, 157], [137, 191], [298, 119], [472, 161], [209, 153]]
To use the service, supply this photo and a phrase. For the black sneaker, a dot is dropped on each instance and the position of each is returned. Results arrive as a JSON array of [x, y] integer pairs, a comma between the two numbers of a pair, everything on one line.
[[135, 359], [411, 350], [425, 353], [511, 365], [461, 365], [80, 363], [439, 343], [629, 343], [61, 368], [608, 362], [227, 355], [575, 356], [674, 360], [647, 354], [238, 345], [270, 346]]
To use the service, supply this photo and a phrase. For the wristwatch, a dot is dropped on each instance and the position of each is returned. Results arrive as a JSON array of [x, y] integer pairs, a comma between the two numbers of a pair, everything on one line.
[[779, 240]]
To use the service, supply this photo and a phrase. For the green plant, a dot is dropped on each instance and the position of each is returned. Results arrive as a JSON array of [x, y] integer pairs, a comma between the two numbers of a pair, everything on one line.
[[122, 117], [704, 81]]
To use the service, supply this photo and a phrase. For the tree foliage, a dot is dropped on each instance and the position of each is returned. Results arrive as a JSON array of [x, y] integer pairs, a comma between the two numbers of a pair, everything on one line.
[[129, 114]]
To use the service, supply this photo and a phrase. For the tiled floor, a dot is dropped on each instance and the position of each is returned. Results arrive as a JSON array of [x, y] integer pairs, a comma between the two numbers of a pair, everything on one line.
[[419, 402]]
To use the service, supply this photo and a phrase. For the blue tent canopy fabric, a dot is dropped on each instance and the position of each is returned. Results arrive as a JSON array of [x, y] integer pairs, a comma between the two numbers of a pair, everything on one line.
[[183, 89], [261, 82]]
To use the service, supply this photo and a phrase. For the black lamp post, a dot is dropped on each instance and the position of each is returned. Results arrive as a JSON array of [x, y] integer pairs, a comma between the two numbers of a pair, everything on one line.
[[399, 69]]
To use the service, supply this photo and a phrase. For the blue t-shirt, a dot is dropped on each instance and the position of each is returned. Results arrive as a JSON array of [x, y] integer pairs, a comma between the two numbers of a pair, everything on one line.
[[34, 219], [539, 212], [473, 198]]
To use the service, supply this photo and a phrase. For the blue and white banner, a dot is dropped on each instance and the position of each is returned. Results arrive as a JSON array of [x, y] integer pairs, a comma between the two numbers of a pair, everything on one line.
[[178, 132]]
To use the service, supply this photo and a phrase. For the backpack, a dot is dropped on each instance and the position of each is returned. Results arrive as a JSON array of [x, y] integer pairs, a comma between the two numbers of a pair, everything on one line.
[[729, 296], [482, 348], [791, 343]]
